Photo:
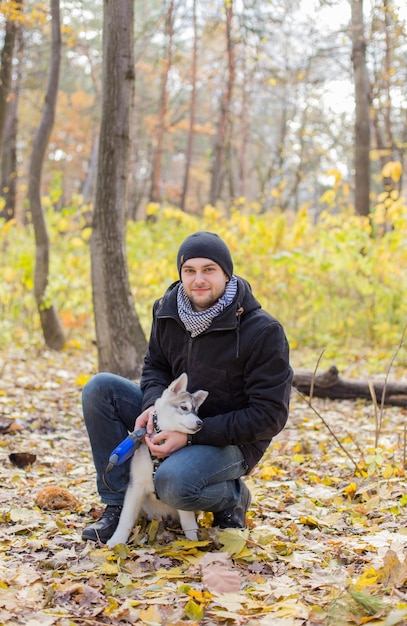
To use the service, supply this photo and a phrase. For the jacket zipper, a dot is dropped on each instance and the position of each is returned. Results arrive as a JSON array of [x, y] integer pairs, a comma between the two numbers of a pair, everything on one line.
[[190, 342]]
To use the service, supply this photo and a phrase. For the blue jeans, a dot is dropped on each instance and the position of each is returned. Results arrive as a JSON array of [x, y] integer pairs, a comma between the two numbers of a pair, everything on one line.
[[195, 478]]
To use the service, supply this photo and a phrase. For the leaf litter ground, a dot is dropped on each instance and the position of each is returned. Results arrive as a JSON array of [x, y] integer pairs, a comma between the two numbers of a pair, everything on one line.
[[326, 544]]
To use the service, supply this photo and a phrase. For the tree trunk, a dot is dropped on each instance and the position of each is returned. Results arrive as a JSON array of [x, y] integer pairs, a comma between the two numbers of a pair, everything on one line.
[[383, 133], [155, 194], [244, 129], [362, 104], [7, 64], [88, 190], [9, 145], [219, 150], [51, 325], [330, 385], [192, 111], [121, 342]]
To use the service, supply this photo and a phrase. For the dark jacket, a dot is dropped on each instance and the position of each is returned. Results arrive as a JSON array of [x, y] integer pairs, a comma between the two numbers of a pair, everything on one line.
[[242, 360]]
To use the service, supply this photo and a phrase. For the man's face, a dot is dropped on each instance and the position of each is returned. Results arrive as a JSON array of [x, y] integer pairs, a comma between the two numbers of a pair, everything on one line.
[[204, 282]]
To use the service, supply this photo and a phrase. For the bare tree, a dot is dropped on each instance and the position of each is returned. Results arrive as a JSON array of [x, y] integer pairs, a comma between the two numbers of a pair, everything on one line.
[[224, 117], [192, 110], [155, 194], [121, 342], [9, 145], [51, 325], [6, 64], [382, 113], [362, 106], [8, 111]]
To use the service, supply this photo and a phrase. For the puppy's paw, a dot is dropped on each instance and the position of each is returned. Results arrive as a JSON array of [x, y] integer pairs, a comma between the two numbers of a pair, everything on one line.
[[192, 535], [115, 540]]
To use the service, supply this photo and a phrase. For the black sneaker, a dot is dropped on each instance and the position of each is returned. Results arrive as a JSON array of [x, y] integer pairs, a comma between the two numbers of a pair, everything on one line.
[[104, 528], [236, 517]]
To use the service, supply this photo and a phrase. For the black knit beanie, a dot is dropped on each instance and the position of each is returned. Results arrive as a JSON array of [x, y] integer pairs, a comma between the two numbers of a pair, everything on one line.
[[207, 246]]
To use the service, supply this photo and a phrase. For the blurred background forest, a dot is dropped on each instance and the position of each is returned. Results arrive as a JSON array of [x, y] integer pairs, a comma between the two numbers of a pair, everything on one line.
[[281, 125], [269, 87]]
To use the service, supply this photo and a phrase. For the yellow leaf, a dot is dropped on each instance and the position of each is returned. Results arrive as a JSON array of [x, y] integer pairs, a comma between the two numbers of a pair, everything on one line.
[[310, 521], [86, 233], [153, 530], [393, 170], [151, 617], [269, 472], [152, 208], [110, 569], [8, 225], [233, 540], [113, 606], [77, 243], [283, 548], [388, 471], [350, 490], [199, 596], [382, 196], [206, 519], [368, 578], [194, 611], [328, 197], [81, 380]]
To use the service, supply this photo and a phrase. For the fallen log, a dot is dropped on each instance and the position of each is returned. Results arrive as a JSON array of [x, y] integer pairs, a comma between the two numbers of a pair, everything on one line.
[[331, 385]]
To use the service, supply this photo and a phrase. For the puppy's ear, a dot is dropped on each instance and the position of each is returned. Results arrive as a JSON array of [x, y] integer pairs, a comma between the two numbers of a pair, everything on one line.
[[179, 384], [200, 397]]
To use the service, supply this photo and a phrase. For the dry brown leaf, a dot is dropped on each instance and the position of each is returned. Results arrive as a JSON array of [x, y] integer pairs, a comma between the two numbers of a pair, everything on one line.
[[218, 575], [22, 459], [232, 576], [219, 579], [394, 572]]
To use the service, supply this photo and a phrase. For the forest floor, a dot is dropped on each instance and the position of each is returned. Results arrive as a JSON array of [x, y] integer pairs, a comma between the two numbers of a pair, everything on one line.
[[326, 544]]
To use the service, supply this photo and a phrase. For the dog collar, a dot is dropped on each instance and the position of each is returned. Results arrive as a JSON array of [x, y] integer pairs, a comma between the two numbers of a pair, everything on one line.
[[155, 423]]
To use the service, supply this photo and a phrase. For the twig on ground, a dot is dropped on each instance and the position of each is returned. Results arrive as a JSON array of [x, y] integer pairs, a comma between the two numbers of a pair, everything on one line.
[[311, 391], [357, 446], [379, 418], [342, 447]]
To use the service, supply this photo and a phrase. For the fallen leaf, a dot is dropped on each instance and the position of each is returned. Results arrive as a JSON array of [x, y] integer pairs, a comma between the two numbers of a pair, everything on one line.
[[22, 459]]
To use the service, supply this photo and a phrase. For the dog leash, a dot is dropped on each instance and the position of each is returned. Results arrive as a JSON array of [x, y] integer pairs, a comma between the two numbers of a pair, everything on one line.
[[127, 448], [122, 452]]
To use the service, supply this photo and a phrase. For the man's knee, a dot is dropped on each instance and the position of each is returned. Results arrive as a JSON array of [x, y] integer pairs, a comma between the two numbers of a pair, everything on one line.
[[94, 393], [172, 489], [95, 387]]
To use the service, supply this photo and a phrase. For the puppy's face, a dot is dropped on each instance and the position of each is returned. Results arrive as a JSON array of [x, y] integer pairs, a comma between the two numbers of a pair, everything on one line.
[[178, 411]]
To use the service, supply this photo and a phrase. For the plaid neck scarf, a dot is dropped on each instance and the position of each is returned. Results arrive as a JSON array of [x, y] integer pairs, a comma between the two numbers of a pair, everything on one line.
[[197, 321]]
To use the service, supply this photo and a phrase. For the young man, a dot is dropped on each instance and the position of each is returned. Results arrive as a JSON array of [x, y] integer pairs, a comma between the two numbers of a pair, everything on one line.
[[210, 326]]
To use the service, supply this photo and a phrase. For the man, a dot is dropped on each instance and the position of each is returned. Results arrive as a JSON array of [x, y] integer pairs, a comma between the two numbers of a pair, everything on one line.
[[210, 326]]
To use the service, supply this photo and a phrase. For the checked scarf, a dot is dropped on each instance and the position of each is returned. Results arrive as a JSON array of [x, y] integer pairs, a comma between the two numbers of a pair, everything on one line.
[[197, 321]]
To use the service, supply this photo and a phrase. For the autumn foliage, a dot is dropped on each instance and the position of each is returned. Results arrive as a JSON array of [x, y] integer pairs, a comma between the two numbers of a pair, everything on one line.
[[325, 540], [337, 285]]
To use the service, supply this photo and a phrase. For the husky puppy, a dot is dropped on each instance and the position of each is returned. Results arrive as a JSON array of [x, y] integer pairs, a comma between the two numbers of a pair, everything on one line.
[[175, 410]]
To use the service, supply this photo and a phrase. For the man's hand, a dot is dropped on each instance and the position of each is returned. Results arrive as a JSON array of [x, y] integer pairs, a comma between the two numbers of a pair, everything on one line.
[[145, 420], [165, 443]]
